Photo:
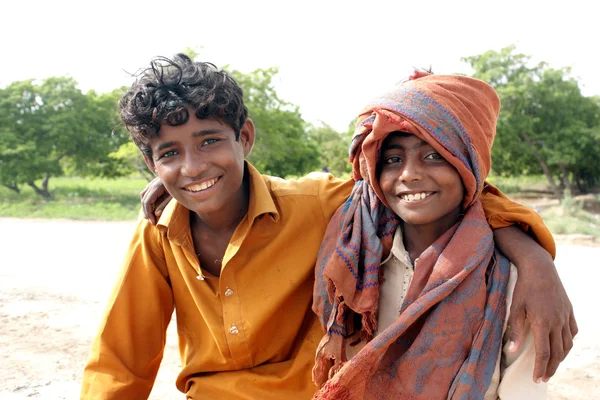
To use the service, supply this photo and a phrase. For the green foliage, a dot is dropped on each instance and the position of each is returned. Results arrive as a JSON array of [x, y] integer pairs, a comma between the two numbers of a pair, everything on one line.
[[283, 146], [192, 52], [77, 198], [49, 127], [333, 148], [546, 125], [129, 161]]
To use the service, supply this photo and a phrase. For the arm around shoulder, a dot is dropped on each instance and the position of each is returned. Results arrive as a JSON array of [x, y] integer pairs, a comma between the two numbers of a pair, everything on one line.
[[501, 212], [333, 192], [129, 346], [517, 366]]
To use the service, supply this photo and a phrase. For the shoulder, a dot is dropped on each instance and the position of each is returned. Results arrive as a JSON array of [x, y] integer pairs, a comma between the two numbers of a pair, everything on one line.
[[171, 227], [312, 184]]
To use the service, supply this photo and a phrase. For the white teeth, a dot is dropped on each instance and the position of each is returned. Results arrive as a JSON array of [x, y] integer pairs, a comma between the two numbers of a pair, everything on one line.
[[201, 186], [414, 197]]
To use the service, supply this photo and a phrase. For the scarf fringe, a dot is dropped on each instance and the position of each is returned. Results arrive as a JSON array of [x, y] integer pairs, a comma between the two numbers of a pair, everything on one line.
[[320, 370], [369, 326], [323, 371], [332, 391]]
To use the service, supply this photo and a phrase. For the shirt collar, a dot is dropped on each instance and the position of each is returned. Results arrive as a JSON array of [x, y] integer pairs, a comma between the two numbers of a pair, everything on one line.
[[261, 198], [398, 249], [175, 219]]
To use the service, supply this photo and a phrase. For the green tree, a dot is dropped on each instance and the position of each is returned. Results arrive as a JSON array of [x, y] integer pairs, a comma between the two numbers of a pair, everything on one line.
[[546, 125], [129, 161], [51, 126], [333, 148], [283, 146]]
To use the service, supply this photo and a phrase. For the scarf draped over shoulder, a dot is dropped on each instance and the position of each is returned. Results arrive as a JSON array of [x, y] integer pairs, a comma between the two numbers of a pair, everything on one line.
[[446, 340]]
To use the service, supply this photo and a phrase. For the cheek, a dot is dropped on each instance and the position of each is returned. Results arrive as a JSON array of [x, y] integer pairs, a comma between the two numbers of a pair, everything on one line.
[[454, 181], [166, 173], [386, 183]]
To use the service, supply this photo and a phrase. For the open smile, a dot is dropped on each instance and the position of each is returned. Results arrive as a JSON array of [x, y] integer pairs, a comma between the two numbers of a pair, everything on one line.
[[201, 187], [415, 197]]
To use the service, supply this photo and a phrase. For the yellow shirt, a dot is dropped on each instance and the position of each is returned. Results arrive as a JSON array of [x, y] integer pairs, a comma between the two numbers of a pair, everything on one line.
[[249, 334]]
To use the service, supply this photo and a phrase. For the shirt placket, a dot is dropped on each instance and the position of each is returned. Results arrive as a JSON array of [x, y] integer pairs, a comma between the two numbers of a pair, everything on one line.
[[233, 323], [236, 331]]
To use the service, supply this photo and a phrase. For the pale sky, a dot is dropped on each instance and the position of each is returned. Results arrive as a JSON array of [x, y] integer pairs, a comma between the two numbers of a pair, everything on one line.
[[333, 55]]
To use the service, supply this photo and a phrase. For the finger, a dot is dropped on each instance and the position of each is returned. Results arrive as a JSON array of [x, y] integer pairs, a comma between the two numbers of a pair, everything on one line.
[[516, 322], [541, 339], [156, 190], [143, 192], [163, 204], [557, 353], [567, 339], [573, 325], [148, 210]]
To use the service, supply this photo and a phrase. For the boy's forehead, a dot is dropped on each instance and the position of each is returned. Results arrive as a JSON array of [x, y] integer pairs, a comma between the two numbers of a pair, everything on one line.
[[403, 139], [195, 127]]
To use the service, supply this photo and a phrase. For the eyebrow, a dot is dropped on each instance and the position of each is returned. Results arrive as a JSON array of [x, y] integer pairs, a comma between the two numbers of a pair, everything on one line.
[[398, 146], [165, 145], [201, 133], [205, 132]]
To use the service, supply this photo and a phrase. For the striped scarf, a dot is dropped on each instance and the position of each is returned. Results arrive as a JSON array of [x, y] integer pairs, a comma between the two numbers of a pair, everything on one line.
[[447, 337]]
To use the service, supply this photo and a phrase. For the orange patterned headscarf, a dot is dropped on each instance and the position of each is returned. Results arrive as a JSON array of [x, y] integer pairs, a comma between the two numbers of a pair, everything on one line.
[[447, 337], [466, 109]]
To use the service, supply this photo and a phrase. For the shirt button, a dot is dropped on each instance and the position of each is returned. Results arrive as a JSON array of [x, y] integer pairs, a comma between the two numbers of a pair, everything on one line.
[[233, 330], [228, 292], [200, 277]]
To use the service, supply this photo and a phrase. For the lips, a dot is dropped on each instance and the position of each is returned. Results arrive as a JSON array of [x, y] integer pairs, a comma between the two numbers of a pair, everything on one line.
[[416, 196], [201, 186]]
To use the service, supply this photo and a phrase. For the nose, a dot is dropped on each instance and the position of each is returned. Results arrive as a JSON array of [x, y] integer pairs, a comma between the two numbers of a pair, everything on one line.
[[193, 167], [411, 170]]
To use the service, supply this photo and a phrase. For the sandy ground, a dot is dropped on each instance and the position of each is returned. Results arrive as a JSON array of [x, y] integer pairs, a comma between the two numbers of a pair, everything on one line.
[[55, 277]]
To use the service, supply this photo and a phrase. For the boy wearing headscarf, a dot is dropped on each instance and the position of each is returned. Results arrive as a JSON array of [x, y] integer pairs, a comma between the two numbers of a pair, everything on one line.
[[410, 287]]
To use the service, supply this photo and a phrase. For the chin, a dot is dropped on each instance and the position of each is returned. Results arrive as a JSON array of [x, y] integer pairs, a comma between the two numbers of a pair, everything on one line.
[[205, 209], [416, 219]]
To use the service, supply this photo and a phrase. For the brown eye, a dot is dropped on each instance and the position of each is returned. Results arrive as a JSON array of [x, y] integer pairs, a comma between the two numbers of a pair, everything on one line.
[[209, 142], [393, 160], [434, 156], [169, 153]]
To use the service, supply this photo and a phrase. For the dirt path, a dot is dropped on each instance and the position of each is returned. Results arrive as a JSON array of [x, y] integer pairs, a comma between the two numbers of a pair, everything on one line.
[[55, 277]]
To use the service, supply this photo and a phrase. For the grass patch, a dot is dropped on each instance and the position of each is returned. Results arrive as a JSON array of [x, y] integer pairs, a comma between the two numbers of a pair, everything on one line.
[[77, 198], [571, 218], [516, 184]]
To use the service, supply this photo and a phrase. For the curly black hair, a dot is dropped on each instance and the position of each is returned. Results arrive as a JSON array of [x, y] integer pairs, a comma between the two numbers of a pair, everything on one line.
[[162, 93]]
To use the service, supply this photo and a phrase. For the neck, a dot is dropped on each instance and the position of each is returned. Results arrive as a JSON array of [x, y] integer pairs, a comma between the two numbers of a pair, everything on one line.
[[417, 238], [226, 221]]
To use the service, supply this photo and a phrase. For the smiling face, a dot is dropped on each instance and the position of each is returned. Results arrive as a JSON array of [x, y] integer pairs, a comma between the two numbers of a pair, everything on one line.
[[201, 163], [419, 185]]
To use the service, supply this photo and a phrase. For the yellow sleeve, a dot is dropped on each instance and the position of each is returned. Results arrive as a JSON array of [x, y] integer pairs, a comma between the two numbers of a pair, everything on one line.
[[333, 192], [129, 346], [501, 212]]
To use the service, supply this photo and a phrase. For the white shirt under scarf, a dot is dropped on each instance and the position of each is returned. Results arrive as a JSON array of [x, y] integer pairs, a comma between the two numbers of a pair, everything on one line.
[[513, 375]]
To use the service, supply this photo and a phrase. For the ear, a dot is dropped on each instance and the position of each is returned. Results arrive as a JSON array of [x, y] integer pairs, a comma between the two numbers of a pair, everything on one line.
[[247, 136], [149, 163]]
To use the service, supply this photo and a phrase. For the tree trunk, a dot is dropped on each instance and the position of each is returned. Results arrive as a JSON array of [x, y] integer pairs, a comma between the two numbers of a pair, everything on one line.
[[543, 164], [580, 185], [43, 191], [566, 182], [144, 171], [14, 188]]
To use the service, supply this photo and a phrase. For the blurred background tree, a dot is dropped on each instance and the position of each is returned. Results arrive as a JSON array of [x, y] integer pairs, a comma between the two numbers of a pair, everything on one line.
[[49, 126], [546, 125]]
